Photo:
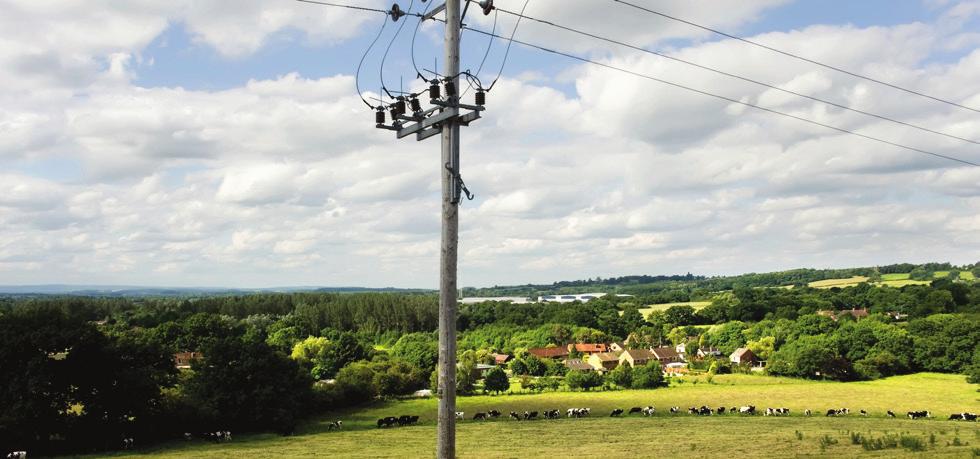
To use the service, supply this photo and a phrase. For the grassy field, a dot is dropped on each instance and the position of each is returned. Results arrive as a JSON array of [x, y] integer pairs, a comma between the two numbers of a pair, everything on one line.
[[697, 305], [830, 283], [661, 435], [967, 275], [894, 276]]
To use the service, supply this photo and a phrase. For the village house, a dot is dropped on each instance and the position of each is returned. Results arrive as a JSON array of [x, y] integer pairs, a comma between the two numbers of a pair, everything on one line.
[[501, 359], [666, 355], [636, 357], [743, 355], [587, 349], [709, 352], [681, 348], [578, 364], [182, 360], [835, 316], [560, 352], [617, 346], [604, 361]]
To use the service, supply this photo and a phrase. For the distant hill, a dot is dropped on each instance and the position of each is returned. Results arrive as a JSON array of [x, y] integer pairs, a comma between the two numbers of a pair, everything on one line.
[[140, 291]]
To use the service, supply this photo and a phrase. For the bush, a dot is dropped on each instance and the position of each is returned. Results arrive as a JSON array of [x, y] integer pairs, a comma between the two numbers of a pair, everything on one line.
[[496, 381], [649, 376], [585, 380]]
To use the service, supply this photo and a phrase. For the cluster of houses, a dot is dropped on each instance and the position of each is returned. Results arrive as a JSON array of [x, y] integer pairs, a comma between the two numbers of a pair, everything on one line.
[[603, 357]]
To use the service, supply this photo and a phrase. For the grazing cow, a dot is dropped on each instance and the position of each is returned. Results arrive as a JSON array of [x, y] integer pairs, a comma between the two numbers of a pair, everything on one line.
[[863, 413], [704, 411], [918, 414], [17, 455], [782, 411], [721, 410], [648, 411], [806, 412], [675, 409], [733, 410], [335, 425], [635, 409], [413, 420], [387, 421], [747, 409], [579, 412], [692, 410], [616, 412], [831, 413], [460, 415], [480, 416], [188, 436], [769, 412], [128, 443], [969, 416], [552, 414], [515, 416], [956, 417], [493, 413], [530, 415], [890, 414]]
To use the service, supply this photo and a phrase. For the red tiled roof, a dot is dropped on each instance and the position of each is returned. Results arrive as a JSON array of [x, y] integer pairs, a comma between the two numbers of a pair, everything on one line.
[[548, 352], [590, 347]]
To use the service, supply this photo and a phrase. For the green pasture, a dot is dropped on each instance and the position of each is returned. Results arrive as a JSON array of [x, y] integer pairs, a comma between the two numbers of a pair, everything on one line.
[[663, 435], [697, 305], [830, 283], [894, 276]]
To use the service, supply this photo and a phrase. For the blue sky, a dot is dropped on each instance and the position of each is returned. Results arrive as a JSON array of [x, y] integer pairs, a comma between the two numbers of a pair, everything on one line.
[[190, 143]]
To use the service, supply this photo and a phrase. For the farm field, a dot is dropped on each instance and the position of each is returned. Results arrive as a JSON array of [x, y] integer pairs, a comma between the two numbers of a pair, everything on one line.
[[830, 283], [894, 276], [661, 435], [697, 305], [967, 275]]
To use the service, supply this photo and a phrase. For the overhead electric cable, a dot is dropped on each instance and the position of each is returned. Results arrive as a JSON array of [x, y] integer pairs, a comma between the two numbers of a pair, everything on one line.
[[381, 70], [732, 75], [796, 56], [353, 7], [729, 99], [509, 42], [357, 74], [415, 34]]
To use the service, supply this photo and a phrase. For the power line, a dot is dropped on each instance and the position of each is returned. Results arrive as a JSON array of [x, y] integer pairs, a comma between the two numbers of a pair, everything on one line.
[[381, 70], [729, 99], [796, 56], [509, 42], [352, 7], [357, 74], [732, 75]]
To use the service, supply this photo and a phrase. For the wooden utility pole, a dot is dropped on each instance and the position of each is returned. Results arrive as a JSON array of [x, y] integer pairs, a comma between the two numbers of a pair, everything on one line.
[[449, 170], [443, 118]]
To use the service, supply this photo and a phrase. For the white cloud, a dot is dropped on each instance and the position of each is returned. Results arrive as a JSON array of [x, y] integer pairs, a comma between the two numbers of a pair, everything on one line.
[[274, 183]]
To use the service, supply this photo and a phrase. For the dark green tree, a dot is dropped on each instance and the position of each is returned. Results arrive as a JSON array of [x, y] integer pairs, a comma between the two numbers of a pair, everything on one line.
[[496, 381]]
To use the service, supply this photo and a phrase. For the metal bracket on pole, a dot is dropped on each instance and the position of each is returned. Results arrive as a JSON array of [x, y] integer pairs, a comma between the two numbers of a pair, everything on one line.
[[432, 14]]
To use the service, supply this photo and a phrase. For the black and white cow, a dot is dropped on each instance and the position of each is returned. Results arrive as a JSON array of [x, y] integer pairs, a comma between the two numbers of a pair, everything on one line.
[[720, 410], [480, 416], [635, 409], [890, 414], [493, 414], [17, 455], [649, 411], [460, 415], [918, 414], [675, 409], [530, 415], [969, 416], [616, 412], [515, 416], [807, 412], [387, 421], [863, 413], [747, 409], [128, 443], [336, 425]]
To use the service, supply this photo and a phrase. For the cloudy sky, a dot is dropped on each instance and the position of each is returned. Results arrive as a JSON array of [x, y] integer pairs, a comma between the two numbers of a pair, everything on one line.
[[215, 143]]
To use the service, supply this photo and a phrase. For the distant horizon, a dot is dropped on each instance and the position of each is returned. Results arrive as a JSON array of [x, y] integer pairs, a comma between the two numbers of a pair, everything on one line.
[[6, 288]]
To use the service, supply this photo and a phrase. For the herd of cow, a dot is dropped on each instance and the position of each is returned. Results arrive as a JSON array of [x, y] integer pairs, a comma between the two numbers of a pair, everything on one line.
[[703, 410]]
